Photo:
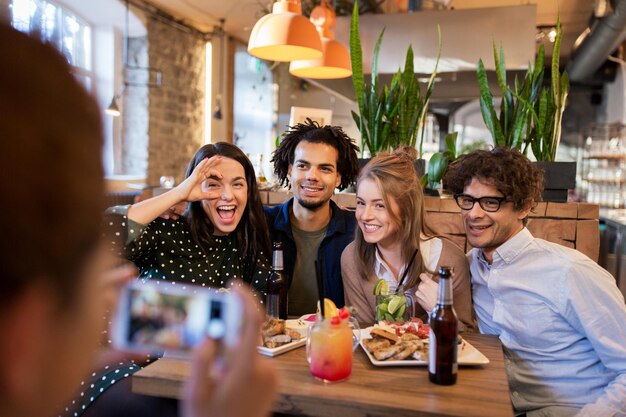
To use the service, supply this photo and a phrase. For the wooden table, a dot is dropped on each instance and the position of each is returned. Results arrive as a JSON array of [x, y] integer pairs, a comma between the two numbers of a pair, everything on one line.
[[371, 391]]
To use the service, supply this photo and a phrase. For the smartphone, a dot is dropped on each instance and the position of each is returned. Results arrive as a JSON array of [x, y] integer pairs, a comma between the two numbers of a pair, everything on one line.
[[157, 317]]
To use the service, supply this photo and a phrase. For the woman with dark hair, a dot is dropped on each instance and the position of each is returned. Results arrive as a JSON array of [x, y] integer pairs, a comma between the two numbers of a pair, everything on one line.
[[222, 235], [390, 215], [220, 240]]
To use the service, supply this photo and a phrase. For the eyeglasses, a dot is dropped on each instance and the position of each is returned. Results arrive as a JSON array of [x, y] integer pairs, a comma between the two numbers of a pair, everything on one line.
[[490, 204]]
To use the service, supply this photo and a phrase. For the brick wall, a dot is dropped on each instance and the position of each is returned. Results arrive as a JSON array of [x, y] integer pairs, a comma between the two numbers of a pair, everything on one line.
[[176, 125]]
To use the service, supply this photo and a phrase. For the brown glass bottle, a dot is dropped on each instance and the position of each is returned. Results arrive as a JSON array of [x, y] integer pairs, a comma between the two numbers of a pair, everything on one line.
[[442, 358], [276, 300]]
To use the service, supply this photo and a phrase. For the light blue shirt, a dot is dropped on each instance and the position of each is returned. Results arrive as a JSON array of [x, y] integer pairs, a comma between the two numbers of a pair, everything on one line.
[[562, 322]]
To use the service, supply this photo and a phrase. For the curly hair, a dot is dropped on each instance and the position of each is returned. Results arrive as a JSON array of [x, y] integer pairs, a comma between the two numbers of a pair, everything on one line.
[[310, 131], [508, 170]]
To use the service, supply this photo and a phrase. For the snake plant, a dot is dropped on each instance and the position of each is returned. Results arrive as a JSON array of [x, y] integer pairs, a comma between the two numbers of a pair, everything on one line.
[[530, 114], [392, 115]]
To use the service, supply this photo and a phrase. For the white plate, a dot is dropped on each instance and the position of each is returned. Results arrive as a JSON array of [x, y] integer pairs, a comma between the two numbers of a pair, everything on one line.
[[281, 349], [468, 355], [297, 325]]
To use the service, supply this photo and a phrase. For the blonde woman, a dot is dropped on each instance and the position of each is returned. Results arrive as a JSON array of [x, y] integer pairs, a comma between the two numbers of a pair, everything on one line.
[[390, 215]]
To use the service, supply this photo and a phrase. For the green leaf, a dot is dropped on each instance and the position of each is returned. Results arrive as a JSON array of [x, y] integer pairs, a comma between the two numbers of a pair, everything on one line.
[[486, 105], [356, 57], [437, 167], [556, 50], [539, 62], [408, 74], [500, 68], [450, 141], [379, 41]]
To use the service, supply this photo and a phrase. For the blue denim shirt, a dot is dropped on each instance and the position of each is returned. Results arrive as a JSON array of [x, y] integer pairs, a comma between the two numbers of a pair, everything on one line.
[[562, 322], [339, 234]]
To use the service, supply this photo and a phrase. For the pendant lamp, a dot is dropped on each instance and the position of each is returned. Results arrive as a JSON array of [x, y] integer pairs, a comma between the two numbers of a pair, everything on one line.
[[335, 61], [285, 35]]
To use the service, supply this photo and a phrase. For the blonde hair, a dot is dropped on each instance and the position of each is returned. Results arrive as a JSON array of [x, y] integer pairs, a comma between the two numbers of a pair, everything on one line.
[[397, 179]]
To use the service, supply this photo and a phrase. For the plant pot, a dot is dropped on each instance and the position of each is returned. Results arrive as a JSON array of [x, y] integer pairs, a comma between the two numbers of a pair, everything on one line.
[[363, 162], [432, 192], [558, 178], [420, 167]]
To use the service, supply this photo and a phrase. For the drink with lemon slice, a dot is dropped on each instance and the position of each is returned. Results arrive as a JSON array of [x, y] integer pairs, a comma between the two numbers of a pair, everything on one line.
[[390, 305], [330, 343]]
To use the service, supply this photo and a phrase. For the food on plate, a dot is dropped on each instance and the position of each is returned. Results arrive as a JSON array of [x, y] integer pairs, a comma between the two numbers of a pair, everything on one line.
[[407, 346], [384, 334], [414, 326], [375, 343], [276, 340], [272, 327], [275, 333]]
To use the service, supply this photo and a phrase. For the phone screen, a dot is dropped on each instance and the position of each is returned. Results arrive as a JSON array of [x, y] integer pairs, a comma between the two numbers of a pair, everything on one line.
[[158, 317]]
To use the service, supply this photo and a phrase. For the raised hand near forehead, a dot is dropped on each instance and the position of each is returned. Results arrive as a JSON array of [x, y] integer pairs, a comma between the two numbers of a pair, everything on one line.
[[196, 186]]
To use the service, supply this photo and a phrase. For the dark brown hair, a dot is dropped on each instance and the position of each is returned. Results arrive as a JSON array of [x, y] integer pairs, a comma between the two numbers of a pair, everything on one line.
[[52, 178], [310, 131], [397, 179], [510, 172], [251, 234]]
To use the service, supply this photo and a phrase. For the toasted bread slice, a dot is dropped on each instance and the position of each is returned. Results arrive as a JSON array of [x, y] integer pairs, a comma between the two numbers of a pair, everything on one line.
[[408, 348], [276, 341], [384, 334], [382, 354], [372, 344]]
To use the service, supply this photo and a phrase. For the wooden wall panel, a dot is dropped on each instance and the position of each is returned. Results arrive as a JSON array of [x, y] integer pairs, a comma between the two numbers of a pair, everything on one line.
[[574, 225]]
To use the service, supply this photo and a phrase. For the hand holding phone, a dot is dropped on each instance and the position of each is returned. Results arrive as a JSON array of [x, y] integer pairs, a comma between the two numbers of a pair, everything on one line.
[[152, 316], [248, 388]]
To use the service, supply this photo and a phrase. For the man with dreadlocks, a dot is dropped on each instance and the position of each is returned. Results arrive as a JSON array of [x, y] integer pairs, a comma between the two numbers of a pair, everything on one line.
[[313, 160]]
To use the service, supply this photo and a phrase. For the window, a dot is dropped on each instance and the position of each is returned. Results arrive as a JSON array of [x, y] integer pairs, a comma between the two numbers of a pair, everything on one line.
[[70, 34]]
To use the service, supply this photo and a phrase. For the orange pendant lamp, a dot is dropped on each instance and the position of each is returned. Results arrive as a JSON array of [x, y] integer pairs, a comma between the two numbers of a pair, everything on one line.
[[335, 61], [285, 35]]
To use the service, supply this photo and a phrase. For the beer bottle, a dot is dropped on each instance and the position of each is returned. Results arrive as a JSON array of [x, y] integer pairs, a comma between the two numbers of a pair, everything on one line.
[[276, 302], [442, 358]]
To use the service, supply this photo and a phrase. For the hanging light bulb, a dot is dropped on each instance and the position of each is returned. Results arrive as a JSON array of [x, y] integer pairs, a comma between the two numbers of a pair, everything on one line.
[[114, 108], [335, 60], [285, 35]]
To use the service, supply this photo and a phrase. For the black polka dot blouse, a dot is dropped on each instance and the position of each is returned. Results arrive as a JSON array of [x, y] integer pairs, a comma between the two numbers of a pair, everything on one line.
[[165, 250]]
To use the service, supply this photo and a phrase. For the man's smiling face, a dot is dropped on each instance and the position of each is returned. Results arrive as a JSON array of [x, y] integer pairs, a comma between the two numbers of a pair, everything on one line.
[[313, 174]]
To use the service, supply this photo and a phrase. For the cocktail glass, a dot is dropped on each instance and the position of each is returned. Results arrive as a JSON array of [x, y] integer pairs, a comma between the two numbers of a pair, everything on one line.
[[329, 346], [395, 307]]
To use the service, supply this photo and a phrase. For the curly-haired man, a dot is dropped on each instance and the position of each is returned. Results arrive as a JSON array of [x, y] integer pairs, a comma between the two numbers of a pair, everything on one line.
[[313, 160], [560, 317]]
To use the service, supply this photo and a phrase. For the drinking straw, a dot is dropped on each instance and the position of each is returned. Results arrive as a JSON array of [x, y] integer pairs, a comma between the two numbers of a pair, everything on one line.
[[406, 271], [320, 285]]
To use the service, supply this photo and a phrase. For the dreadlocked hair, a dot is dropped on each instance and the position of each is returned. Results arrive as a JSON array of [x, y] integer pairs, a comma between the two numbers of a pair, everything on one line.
[[311, 131]]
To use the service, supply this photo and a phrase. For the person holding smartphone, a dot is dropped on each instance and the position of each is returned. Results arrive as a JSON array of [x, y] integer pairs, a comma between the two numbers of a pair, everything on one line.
[[56, 274]]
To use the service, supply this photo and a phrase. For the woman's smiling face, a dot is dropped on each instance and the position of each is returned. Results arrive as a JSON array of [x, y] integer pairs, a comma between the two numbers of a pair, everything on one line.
[[229, 196], [375, 219]]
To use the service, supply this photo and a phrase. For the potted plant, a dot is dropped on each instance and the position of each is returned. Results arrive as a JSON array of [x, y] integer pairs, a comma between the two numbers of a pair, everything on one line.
[[390, 116], [438, 165], [545, 133], [531, 115]]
